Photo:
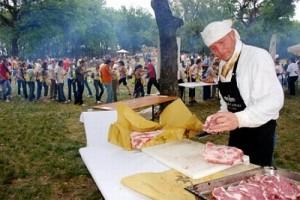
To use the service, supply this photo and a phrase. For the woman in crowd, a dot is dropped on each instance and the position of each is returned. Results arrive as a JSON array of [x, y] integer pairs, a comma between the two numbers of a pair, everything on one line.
[[138, 85], [19, 78], [60, 77], [37, 73], [98, 85], [30, 82], [123, 75], [79, 74], [71, 81], [22, 71], [45, 78]]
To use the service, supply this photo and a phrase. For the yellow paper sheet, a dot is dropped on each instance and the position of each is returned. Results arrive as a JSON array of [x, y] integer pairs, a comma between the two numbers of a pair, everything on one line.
[[176, 121], [170, 184]]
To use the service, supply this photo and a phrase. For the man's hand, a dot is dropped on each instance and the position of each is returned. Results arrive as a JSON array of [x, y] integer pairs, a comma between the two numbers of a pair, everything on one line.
[[220, 122]]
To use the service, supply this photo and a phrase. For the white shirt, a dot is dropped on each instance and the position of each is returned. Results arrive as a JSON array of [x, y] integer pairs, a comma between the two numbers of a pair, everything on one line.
[[60, 73], [279, 69], [293, 69], [258, 86], [37, 70], [181, 72], [51, 72]]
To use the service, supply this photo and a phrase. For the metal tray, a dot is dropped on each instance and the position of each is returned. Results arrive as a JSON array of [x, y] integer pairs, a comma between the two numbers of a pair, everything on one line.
[[203, 190]]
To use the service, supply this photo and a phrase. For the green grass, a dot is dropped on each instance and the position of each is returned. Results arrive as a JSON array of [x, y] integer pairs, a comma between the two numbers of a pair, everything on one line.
[[39, 144]]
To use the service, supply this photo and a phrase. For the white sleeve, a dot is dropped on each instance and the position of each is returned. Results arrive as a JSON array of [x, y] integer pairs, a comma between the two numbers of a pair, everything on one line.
[[265, 93], [223, 106]]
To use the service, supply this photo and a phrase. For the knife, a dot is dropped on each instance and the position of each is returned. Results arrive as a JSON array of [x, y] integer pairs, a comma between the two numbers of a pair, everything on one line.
[[202, 134]]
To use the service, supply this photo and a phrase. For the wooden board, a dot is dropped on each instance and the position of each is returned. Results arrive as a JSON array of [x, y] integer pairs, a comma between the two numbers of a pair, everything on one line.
[[186, 157], [138, 103]]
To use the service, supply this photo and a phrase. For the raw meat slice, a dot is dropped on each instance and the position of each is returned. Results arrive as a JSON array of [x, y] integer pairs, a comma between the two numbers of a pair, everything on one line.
[[288, 189], [279, 187], [249, 191], [260, 187], [221, 154], [138, 139], [221, 194]]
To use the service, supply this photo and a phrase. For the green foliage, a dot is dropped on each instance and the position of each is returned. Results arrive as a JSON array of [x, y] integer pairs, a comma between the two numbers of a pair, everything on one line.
[[79, 28], [255, 20], [196, 15], [135, 28], [75, 28]]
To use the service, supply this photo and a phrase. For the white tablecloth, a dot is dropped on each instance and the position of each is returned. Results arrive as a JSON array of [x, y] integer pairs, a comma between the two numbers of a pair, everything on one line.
[[195, 84], [108, 163]]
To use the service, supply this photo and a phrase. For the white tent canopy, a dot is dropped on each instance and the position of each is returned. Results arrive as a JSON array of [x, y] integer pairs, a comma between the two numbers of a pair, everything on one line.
[[295, 49], [122, 51]]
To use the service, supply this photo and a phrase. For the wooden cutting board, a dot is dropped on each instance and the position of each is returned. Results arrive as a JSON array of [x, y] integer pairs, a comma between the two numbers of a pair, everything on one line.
[[186, 157]]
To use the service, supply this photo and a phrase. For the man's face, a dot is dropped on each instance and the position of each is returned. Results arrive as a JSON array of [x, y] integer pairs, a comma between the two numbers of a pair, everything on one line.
[[224, 47]]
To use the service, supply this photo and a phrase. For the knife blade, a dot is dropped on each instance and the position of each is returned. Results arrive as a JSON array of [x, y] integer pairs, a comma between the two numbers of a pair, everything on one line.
[[202, 134]]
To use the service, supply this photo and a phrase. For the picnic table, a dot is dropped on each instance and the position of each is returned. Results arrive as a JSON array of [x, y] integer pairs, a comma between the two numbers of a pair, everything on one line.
[[108, 164], [194, 85], [138, 103]]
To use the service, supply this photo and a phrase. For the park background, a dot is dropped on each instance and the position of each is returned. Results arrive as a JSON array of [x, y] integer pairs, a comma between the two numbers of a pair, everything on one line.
[[39, 141]]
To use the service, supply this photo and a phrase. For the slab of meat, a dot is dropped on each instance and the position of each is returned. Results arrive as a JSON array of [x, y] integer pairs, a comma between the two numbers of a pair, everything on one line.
[[263, 187], [277, 187], [221, 154], [222, 194], [138, 139]]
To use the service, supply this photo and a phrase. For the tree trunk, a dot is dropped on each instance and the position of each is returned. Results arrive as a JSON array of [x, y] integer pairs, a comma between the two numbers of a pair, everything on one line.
[[14, 46], [167, 26]]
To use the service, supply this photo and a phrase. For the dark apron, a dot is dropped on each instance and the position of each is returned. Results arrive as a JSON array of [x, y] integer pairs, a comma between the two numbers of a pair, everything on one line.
[[257, 143]]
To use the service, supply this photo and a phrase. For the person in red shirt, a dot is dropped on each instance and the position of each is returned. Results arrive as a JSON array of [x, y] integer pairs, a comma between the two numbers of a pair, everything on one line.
[[152, 77], [106, 78], [4, 80], [66, 64]]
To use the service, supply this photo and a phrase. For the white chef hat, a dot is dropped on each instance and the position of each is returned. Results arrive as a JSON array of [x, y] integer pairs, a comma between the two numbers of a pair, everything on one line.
[[215, 31]]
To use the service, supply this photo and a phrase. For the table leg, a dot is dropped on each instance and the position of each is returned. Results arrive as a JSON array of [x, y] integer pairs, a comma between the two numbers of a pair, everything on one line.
[[153, 113]]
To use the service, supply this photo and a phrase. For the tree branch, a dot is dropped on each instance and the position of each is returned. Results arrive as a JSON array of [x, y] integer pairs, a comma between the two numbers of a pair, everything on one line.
[[6, 21], [6, 5]]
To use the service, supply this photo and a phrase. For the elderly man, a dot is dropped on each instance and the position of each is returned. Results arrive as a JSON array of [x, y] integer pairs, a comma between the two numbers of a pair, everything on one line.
[[251, 95]]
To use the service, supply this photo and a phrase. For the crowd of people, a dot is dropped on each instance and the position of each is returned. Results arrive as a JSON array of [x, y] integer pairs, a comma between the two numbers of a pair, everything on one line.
[[46, 79], [65, 80], [198, 68], [288, 74], [206, 69]]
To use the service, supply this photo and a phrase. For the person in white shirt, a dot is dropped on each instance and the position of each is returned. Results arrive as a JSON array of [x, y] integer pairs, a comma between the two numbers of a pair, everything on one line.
[[193, 72], [51, 74], [292, 72], [37, 72], [60, 78], [181, 76], [279, 72], [251, 95]]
